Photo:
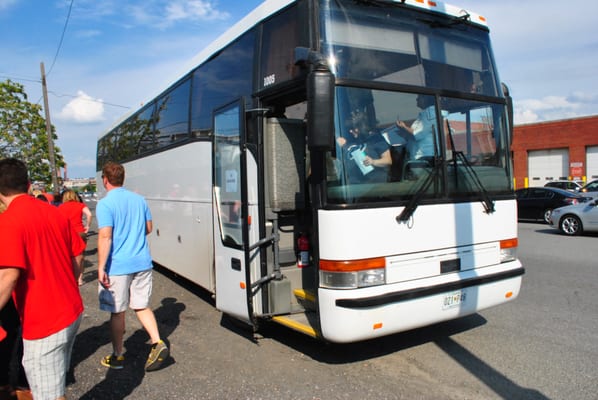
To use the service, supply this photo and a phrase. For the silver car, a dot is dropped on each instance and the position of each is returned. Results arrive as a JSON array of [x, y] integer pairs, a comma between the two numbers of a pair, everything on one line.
[[576, 219], [572, 186]]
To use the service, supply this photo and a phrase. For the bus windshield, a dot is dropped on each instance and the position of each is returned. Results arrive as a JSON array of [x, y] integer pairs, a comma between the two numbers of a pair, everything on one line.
[[419, 109]]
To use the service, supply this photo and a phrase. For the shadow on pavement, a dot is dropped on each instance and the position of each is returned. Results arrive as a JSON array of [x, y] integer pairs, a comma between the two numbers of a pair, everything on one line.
[[118, 384]]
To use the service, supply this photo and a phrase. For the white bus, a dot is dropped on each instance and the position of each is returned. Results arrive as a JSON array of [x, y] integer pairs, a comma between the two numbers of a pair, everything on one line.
[[339, 167]]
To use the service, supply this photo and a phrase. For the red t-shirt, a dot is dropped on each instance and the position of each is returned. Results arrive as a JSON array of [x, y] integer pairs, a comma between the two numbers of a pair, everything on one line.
[[73, 210], [39, 240]]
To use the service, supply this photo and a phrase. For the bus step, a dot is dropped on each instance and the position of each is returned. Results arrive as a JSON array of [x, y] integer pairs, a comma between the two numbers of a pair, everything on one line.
[[306, 298], [305, 323]]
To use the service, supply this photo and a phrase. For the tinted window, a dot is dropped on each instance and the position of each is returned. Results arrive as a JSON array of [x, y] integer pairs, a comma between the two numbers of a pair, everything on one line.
[[172, 118], [135, 136], [226, 77], [538, 193], [281, 35]]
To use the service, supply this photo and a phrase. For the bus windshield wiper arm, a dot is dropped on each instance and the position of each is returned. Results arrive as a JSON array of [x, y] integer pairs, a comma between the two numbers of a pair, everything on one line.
[[486, 200], [459, 156], [413, 203], [463, 19]]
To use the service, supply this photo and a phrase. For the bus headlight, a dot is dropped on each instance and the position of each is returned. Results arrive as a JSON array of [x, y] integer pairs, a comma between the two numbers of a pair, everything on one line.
[[352, 274]]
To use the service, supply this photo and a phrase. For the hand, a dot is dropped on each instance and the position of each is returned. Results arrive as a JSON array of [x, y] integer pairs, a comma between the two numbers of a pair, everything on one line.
[[103, 278], [368, 161]]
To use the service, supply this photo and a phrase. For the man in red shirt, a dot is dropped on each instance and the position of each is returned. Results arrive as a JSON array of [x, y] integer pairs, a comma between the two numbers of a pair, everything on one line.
[[37, 265]]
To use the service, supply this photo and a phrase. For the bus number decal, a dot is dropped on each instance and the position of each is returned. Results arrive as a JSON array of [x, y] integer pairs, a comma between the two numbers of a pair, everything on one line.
[[269, 80]]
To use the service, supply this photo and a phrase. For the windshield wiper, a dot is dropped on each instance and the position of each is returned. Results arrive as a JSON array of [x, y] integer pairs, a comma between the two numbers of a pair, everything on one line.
[[463, 19], [414, 202], [460, 156], [486, 200]]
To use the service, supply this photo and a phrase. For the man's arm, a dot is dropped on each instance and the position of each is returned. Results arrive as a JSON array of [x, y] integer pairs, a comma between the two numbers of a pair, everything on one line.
[[104, 245], [148, 227], [8, 281], [88, 217]]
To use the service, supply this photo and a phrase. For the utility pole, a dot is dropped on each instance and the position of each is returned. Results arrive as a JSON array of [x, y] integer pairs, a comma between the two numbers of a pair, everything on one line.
[[49, 131]]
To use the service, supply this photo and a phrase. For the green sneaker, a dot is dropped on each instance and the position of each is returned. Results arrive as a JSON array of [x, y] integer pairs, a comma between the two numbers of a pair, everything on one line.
[[114, 362], [157, 356]]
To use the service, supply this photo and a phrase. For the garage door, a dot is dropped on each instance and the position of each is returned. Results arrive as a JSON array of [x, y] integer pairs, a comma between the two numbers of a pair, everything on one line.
[[592, 163], [547, 165]]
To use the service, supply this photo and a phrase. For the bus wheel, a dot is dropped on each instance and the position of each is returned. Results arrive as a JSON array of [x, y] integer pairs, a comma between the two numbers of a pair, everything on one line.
[[570, 225]]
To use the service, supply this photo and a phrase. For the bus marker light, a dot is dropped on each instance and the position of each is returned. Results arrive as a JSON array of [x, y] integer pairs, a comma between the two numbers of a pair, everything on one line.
[[508, 295], [378, 325], [509, 243], [242, 285]]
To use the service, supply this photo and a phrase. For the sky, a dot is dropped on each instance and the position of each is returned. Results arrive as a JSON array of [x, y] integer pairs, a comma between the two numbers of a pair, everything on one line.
[[104, 58]]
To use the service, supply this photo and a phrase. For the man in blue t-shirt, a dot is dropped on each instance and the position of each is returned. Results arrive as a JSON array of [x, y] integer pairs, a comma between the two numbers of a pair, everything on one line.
[[125, 265]]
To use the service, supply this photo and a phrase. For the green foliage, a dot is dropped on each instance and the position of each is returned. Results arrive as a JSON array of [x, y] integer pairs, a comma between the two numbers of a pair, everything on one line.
[[23, 132], [89, 188]]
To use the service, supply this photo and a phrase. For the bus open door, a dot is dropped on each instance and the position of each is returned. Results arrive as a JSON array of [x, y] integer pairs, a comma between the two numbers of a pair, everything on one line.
[[231, 216]]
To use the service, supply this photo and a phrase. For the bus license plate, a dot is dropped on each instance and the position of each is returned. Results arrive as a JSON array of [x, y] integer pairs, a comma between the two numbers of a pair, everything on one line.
[[453, 299]]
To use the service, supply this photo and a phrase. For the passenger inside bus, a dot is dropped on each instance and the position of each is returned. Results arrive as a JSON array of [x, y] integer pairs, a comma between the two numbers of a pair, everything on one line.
[[423, 129]]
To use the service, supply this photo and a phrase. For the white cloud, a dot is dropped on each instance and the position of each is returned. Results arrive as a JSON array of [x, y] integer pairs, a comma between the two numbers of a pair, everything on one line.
[[163, 14], [550, 108], [524, 116], [193, 10], [83, 110]]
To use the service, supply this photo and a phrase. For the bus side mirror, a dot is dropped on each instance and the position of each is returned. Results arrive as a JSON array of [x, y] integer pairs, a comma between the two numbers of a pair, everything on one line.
[[320, 109]]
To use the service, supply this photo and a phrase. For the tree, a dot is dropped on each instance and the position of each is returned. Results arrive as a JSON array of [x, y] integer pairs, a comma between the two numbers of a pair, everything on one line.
[[23, 132]]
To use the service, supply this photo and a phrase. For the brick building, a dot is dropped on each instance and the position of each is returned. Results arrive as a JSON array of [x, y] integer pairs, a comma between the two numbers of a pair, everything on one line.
[[563, 149]]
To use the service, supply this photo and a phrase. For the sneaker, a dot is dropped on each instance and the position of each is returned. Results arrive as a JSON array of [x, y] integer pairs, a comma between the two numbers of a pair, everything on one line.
[[157, 356], [114, 362]]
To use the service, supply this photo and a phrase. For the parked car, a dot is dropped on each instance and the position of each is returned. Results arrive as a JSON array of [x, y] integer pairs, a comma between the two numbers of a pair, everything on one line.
[[576, 219], [590, 189], [537, 203], [572, 186]]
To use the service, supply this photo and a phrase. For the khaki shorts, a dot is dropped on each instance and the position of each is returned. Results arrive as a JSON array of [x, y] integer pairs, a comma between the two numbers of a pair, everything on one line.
[[132, 290]]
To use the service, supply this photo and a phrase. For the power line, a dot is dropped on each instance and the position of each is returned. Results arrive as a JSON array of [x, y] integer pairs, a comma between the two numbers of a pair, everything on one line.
[[61, 38], [15, 78], [90, 99]]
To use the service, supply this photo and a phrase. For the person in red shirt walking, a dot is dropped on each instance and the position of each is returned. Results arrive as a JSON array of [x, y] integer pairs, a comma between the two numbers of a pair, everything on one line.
[[38, 266], [74, 210]]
